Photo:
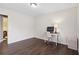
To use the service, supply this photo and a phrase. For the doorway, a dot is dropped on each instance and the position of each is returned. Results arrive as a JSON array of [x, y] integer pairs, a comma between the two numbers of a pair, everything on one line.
[[5, 29]]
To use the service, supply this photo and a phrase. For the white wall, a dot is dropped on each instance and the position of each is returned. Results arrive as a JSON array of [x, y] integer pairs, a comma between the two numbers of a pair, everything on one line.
[[1, 30], [20, 26], [66, 26], [78, 25]]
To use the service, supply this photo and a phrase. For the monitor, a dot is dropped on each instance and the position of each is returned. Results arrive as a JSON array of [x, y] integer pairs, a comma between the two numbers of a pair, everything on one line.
[[50, 29]]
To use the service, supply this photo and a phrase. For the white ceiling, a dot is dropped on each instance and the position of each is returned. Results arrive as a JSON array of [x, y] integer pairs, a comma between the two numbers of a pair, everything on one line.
[[42, 9]]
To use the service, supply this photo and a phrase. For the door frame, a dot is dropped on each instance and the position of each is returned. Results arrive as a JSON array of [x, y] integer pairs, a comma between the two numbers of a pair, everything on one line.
[[2, 26]]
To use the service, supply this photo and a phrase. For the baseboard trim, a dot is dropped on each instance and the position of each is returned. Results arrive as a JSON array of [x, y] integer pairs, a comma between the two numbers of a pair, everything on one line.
[[72, 48], [22, 40]]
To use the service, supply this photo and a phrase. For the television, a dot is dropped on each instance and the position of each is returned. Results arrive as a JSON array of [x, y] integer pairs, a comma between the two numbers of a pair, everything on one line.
[[50, 29]]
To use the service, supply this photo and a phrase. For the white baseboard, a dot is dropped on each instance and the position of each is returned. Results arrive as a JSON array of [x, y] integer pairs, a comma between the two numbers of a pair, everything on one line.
[[72, 48]]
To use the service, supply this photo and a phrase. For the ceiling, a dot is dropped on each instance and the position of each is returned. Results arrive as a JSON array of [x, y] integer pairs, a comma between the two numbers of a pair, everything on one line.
[[44, 8]]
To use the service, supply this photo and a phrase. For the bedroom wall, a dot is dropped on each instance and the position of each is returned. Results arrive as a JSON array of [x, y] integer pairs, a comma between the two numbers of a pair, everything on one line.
[[78, 25], [20, 26], [66, 26], [1, 31]]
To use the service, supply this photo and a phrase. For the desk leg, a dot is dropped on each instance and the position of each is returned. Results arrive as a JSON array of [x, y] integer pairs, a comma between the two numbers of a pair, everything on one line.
[[57, 41]]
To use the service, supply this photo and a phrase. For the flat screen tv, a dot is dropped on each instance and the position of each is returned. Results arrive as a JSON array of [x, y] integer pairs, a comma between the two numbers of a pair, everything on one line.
[[50, 29]]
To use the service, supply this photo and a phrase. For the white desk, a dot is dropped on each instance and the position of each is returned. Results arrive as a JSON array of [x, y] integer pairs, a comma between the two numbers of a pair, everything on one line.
[[57, 36], [50, 36]]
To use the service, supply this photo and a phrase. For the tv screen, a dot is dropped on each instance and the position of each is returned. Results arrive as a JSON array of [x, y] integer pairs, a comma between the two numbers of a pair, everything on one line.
[[50, 29]]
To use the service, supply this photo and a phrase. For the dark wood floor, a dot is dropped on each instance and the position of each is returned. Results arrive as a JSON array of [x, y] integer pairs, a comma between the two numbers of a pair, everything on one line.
[[34, 47]]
